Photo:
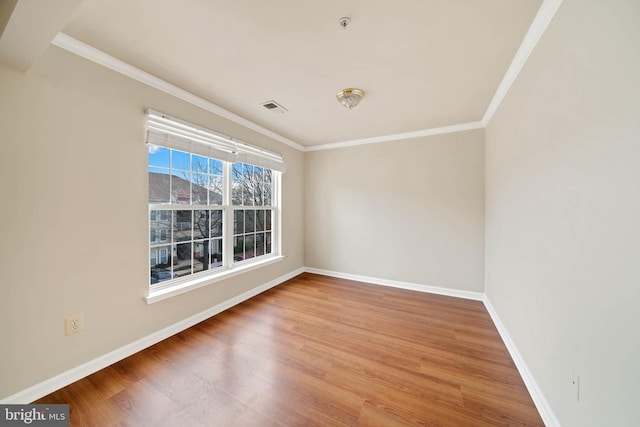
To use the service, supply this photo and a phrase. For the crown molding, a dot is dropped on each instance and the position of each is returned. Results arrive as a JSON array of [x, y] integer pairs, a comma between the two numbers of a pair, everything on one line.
[[538, 27], [399, 136], [72, 45]]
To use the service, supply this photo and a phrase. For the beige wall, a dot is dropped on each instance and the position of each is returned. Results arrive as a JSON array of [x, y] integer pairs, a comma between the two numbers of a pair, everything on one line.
[[562, 209], [563, 213], [410, 211], [74, 216]]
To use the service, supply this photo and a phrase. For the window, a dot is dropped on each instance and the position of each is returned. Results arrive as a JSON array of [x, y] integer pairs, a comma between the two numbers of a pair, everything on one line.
[[212, 203], [252, 212]]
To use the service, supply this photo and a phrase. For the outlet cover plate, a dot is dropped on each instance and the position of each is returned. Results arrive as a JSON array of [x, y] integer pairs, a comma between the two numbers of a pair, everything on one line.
[[73, 324]]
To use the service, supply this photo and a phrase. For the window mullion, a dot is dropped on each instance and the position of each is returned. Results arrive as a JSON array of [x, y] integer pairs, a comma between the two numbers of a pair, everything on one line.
[[227, 215], [276, 203]]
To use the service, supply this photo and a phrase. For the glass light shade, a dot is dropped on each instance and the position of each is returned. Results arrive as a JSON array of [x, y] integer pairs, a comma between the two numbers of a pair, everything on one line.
[[350, 97]]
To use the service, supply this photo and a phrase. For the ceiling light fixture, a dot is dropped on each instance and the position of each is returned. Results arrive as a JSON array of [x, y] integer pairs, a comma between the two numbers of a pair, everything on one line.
[[350, 97]]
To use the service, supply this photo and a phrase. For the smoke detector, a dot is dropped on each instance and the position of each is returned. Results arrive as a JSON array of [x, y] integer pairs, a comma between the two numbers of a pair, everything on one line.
[[344, 22]]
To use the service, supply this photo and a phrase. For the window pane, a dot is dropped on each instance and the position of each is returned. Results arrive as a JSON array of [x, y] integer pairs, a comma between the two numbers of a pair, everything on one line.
[[182, 259], [180, 189], [160, 264], [260, 216], [199, 164], [236, 194], [159, 227], [259, 244], [215, 190], [180, 160], [201, 225], [267, 221], [238, 248], [199, 190], [258, 194], [267, 240], [159, 275], [236, 183], [159, 184], [268, 189], [248, 184], [200, 255], [258, 172], [215, 252], [182, 228], [216, 223], [215, 167], [249, 246], [159, 156], [247, 192], [238, 222], [249, 221]]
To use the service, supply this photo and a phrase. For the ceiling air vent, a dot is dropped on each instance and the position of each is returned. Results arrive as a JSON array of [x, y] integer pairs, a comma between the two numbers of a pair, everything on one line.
[[273, 106]]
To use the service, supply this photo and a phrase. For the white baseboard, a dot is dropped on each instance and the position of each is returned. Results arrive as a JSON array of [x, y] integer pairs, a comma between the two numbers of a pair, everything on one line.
[[52, 384], [477, 296], [48, 386], [539, 400]]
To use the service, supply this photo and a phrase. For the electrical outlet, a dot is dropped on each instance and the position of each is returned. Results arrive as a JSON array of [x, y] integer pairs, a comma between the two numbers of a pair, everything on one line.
[[73, 324]]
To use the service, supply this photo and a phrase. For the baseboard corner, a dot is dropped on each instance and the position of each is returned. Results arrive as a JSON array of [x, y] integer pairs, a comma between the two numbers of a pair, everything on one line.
[[543, 406]]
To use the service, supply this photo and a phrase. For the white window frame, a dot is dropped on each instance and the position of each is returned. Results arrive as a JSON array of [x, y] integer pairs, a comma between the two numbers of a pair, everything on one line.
[[168, 132]]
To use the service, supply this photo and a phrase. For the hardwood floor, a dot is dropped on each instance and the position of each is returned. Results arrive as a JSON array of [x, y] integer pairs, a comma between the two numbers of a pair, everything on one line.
[[317, 351]]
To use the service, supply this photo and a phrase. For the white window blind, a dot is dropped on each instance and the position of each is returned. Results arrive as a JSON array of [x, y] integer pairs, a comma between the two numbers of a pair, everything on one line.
[[174, 133]]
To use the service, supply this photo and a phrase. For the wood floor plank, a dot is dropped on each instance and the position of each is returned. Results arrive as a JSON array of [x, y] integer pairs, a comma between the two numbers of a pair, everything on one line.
[[317, 351]]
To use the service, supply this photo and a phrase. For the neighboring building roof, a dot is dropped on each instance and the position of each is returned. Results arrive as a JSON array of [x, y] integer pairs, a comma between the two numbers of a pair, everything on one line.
[[161, 184]]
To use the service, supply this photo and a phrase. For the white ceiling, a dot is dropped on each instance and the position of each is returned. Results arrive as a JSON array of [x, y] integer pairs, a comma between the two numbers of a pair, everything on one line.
[[423, 64], [27, 28]]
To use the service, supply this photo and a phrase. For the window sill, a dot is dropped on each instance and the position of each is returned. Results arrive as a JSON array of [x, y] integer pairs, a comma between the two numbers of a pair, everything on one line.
[[181, 288]]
